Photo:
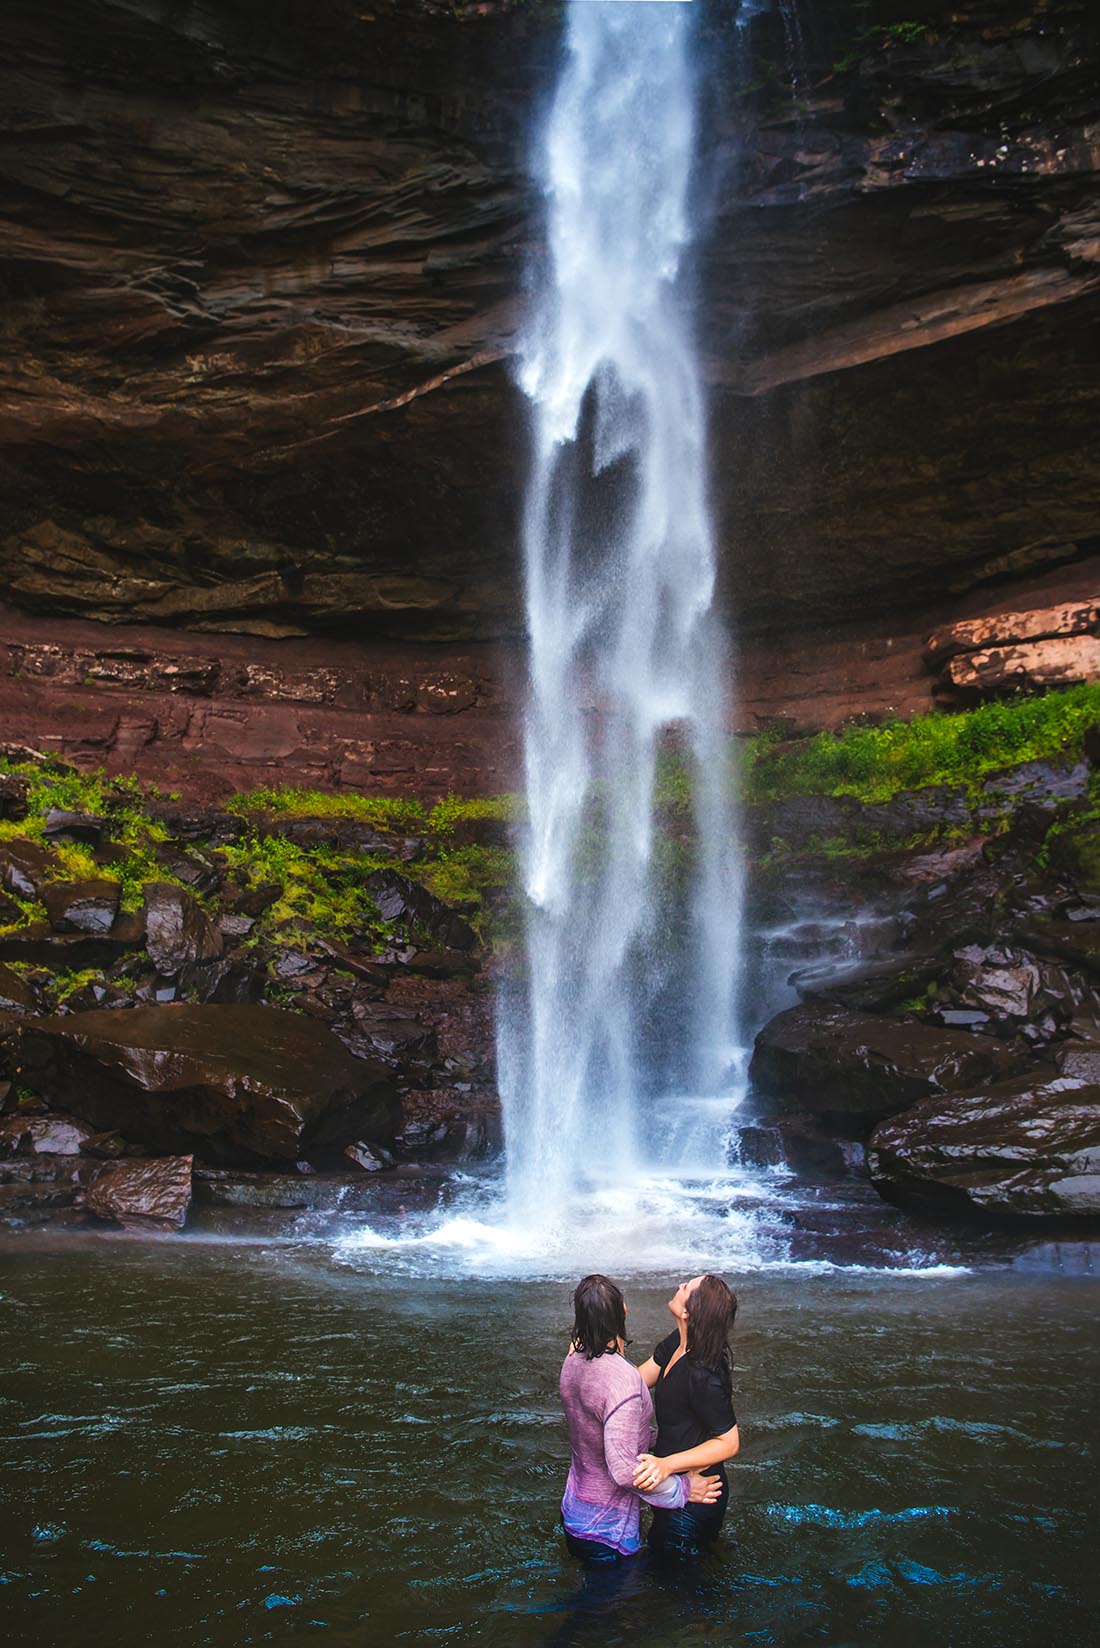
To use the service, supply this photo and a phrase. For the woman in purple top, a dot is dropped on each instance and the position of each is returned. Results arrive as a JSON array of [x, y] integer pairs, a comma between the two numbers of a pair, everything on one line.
[[610, 1415]]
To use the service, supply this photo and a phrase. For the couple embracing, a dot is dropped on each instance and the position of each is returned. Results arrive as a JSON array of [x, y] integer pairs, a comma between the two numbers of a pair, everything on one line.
[[667, 1448]]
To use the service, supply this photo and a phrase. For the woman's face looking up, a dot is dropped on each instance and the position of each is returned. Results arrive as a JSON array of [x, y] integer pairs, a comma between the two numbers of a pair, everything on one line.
[[678, 1304]]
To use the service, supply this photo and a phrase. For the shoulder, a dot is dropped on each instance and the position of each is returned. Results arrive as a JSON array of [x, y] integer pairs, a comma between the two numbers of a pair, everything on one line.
[[714, 1391], [613, 1377], [664, 1349], [710, 1379], [621, 1377]]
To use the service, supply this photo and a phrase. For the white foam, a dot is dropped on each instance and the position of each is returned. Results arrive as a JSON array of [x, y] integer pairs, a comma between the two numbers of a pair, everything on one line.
[[656, 1225]]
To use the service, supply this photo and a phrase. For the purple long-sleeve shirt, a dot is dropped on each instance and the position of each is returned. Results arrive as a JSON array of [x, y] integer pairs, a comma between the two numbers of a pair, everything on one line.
[[610, 1415]]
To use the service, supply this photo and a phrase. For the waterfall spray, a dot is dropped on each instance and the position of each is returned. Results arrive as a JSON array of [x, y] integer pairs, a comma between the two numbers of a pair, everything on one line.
[[629, 994]]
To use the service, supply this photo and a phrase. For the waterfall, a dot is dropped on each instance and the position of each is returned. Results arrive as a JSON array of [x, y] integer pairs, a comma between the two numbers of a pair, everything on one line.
[[627, 1004]]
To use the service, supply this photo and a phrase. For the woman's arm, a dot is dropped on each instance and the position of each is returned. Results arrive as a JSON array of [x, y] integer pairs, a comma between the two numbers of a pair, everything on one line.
[[650, 1371], [620, 1440], [650, 1471]]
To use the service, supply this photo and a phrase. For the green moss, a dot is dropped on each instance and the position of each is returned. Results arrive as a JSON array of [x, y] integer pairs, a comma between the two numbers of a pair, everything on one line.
[[67, 984], [466, 875], [1072, 844], [319, 886], [954, 749], [923, 1002], [505, 809], [385, 812], [881, 37]]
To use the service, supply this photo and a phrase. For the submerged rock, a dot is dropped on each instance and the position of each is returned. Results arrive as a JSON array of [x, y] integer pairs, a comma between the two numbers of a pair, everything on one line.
[[234, 1084], [865, 1065], [141, 1196], [1024, 1147]]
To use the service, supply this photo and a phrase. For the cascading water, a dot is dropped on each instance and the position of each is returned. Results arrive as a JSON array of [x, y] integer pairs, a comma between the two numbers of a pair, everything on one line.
[[621, 1038], [629, 1003]]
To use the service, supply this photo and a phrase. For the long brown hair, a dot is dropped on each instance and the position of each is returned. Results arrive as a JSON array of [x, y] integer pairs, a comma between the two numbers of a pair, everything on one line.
[[599, 1316], [711, 1308]]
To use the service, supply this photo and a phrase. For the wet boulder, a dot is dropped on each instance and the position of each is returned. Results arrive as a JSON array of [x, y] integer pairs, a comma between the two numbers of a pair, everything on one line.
[[441, 964], [1076, 942], [48, 1135], [1079, 1055], [207, 825], [178, 932], [253, 901], [1016, 990], [37, 945], [967, 909], [25, 866], [382, 1030], [871, 986], [233, 1084], [347, 835], [198, 870], [154, 1194], [366, 1158], [108, 1146], [237, 978], [848, 1064], [411, 906], [1024, 1147], [235, 926], [14, 791], [68, 826], [16, 995], [82, 906]]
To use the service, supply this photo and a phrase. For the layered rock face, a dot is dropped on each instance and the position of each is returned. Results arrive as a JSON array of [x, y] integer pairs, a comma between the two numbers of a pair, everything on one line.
[[262, 275], [961, 1048]]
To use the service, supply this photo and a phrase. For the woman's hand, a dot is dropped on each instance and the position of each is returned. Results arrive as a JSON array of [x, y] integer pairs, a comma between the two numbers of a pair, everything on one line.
[[703, 1490], [649, 1473]]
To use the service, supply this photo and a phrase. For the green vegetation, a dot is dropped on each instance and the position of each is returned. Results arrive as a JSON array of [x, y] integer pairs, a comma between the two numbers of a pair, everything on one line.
[[881, 37], [320, 887], [120, 801], [383, 812], [955, 749], [324, 885], [464, 856], [1073, 843]]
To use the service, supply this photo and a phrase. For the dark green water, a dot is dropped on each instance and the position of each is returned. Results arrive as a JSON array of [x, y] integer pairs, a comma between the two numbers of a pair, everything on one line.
[[235, 1444]]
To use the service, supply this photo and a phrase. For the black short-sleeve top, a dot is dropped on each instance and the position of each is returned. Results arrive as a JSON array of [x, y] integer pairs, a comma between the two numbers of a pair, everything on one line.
[[692, 1403]]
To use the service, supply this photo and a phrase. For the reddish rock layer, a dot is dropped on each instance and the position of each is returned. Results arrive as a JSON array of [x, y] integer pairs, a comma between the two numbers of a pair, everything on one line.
[[208, 715]]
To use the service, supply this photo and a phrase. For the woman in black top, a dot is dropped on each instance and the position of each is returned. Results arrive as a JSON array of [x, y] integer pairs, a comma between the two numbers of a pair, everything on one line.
[[689, 1374]]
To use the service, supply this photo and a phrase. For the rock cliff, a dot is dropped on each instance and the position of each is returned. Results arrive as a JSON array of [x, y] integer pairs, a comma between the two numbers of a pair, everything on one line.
[[262, 270]]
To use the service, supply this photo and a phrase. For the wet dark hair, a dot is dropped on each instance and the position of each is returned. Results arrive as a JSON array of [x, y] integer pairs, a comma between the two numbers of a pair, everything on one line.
[[711, 1309], [599, 1316]]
